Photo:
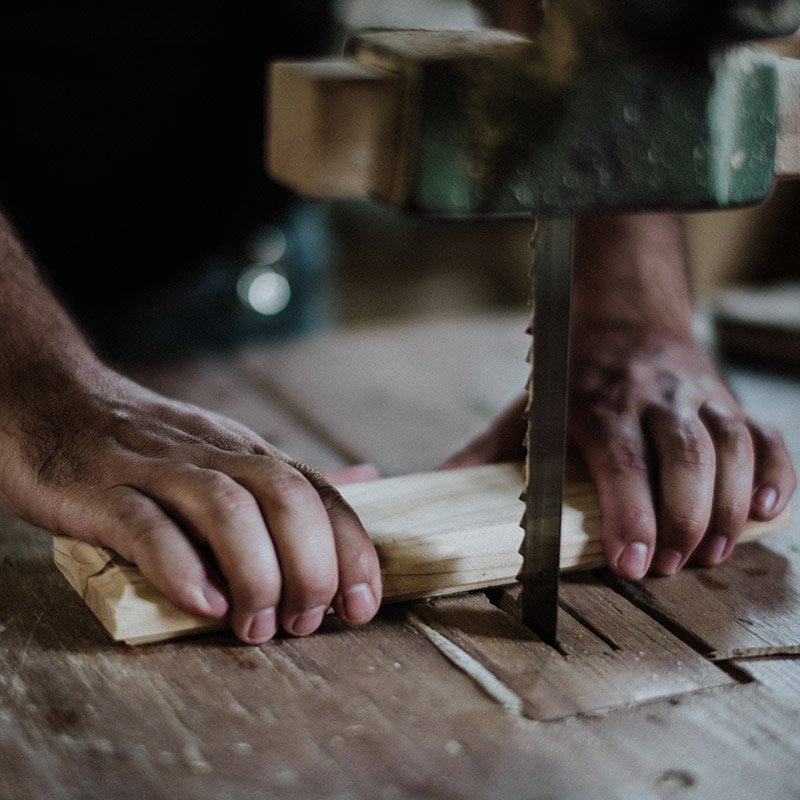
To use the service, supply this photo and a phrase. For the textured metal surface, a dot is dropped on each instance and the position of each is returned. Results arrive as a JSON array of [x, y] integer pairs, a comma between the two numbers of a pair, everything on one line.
[[586, 117], [547, 411]]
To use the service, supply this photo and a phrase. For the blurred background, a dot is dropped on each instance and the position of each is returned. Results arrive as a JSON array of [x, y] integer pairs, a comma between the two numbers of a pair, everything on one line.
[[179, 243], [386, 264], [390, 265]]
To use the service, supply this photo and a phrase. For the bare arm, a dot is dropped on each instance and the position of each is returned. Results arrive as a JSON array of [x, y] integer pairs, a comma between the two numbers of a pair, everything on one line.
[[218, 519]]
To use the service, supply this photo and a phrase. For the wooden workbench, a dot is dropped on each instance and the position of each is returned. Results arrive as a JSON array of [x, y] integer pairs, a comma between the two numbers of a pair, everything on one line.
[[661, 690]]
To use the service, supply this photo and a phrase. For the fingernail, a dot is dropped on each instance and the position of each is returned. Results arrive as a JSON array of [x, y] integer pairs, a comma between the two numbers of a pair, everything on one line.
[[215, 600], [667, 562], [632, 560], [716, 549], [262, 626], [359, 603], [765, 498], [306, 622]]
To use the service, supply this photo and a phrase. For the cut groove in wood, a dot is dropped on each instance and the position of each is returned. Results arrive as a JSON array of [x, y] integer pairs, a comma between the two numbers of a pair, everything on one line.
[[435, 532]]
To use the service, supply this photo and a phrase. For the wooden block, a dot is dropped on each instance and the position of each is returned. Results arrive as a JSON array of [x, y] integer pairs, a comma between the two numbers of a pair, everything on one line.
[[436, 533], [787, 146], [332, 126]]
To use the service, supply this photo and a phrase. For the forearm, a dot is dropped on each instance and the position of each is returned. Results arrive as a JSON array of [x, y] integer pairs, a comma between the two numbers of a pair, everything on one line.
[[631, 274], [35, 330]]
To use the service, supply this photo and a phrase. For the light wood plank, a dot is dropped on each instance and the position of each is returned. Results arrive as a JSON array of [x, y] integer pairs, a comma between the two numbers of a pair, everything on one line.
[[436, 533], [333, 127], [787, 146]]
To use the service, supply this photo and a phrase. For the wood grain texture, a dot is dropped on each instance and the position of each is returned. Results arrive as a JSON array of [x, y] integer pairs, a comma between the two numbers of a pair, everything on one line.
[[376, 713], [365, 713], [748, 606], [426, 386], [436, 533], [641, 660]]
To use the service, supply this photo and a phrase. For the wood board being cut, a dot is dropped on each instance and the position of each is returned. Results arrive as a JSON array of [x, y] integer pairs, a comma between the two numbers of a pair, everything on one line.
[[436, 533]]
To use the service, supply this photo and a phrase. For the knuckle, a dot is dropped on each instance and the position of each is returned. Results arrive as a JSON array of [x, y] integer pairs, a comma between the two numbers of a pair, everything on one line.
[[636, 524], [309, 592], [358, 558], [730, 515], [732, 436], [256, 590], [139, 528], [689, 445], [141, 540], [128, 512], [687, 528], [625, 455], [286, 486], [312, 588], [223, 492]]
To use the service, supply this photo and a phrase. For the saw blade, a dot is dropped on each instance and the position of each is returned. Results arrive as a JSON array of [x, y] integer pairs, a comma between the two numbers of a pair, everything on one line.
[[546, 436]]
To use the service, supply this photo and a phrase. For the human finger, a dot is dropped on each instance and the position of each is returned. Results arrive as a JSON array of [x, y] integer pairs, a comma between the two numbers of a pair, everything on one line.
[[774, 479], [615, 453], [684, 454], [302, 535], [221, 513], [134, 526], [359, 592], [733, 485]]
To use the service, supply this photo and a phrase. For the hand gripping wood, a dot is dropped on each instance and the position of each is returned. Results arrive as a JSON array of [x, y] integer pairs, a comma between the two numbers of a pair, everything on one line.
[[436, 533]]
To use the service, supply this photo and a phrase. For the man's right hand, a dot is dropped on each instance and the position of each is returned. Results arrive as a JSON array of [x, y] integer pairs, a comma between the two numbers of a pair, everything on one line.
[[216, 518]]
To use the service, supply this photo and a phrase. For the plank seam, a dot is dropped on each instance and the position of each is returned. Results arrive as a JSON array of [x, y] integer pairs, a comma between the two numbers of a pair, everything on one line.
[[786, 650], [633, 594]]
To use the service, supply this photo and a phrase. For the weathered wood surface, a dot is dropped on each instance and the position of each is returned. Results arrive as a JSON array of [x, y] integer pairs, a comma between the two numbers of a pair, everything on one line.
[[389, 391], [748, 606], [639, 660], [380, 712]]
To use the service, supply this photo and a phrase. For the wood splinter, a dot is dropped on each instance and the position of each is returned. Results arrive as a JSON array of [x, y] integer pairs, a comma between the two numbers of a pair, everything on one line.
[[436, 533]]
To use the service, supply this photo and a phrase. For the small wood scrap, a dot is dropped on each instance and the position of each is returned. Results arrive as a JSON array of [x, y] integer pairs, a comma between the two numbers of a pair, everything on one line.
[[436, 533]]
